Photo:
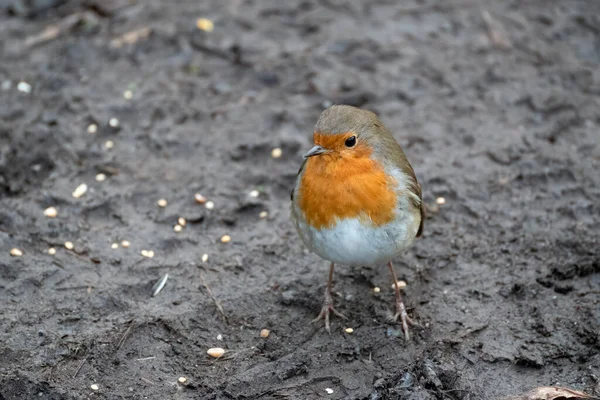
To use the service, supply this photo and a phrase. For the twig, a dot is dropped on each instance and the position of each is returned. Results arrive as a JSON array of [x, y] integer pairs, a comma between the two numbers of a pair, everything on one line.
[[122, 341], [147, 380], [79, 368], [496, 32], [214, 299]]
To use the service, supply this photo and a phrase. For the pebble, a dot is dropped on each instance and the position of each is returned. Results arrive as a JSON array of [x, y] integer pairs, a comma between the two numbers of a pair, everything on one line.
[[128, 94], [265, 333], [51, 212], [80, 190], [215, 352], [263, 214], [16, 252], [182, 379], [401, 285], [204, 257], [205, 24], [162, 203], [225, 239], [276, 152], [114, 246], [440, 201], [109, 144], [209, 205], [24, 87], [52, 251], [92, 128], [100, 178], [181, 221], [69, 245], [199, 198], [348, 330], [125, 243], [177, 228], [254, 193], [113, 122], [94, 387]]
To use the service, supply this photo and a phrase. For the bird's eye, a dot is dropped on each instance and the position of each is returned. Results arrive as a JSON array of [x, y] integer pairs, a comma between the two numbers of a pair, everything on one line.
[[351, 141]]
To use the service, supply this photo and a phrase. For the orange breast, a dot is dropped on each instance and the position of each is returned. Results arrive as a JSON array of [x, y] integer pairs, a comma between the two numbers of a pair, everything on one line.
[[338, 187]]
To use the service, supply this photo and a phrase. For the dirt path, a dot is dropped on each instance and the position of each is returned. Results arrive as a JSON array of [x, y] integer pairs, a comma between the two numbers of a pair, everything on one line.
[[496, 103]]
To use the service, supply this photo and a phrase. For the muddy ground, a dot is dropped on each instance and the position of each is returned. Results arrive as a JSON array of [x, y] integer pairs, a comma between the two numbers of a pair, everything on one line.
[[497, 104]]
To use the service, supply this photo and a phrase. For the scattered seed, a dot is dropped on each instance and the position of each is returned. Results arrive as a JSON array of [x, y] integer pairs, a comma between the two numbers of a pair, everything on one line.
[[265, 333], [254, 193], [128, 94], [276, 152], [181, 221], [329, 390], [109, 144], [94, 387], [24, 87], [216, 352], [92, 128], [80, 190], [52, 251], [225, 239], [51, 212], [162, 203], [158, 286], [113, 122], [147, 253], [401, 285], [348, 330], [69, 245], [114, 246], [182, 380], [220, 337], [205, 25], [209, 205], [16, 252], [177, 228], [199, 198], [100, 178], [263, 214], [440, 201], [204, 257], [125, 243], [376, 289]]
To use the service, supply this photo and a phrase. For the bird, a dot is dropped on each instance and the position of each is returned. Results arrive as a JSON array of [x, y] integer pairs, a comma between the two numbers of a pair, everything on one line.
[[356, 199]]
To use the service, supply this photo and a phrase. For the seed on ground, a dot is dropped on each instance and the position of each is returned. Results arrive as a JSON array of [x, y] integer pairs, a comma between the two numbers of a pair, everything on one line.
[[113, 122], [215, 352], [100, 178], [181, 221], [69, 245], [205, 24], [114, 246], [80, 190], [109, 144], [263, 214], [209, 205], [147, 253], [182, 379], [92, 128], [177, 228], [220, 337], [265, 333], [24, 87], [94, 387], [16, 252], [162, 203], [204, 257], [276, 152], [376, 289], [125, 243], [401, 285], [329, 390], [348, 330], [51, 212], [52, 251], [128, 94], [199, 198], [440, 201], [225, 239], [254, 193]]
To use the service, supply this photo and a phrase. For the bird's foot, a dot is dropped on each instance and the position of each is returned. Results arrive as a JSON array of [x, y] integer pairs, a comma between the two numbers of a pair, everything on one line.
[[326, 309], [404, 319]]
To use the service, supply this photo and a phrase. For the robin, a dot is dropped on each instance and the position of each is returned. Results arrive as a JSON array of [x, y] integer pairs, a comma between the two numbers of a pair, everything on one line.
[[356, 200]]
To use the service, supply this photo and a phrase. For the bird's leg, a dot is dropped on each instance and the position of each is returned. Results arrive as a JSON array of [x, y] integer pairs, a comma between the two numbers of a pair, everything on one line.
[[328, 303], [400, 309]]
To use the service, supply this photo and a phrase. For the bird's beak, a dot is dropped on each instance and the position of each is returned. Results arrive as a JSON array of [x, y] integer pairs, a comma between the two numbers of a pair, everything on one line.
[[315, 151]]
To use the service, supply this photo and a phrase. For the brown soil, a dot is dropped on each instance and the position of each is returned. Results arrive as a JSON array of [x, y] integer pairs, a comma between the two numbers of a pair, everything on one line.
[[501, 118]]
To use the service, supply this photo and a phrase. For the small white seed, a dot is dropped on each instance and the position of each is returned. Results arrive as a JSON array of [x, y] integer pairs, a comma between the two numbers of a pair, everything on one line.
[[376, 289], [109, 144], [265, 333], [181, 221], [92, 128], [204, 257], [254, 193], [94, 387], [114, 246], [205, 24], [401, 285], [199, 198], [177, 228], [440, 201], [182, 380], [329, 390], [215, 352], [52, 251], [128, 94], [16, 252], [225, 239], [147, 253], [276, 152], [113, 122], [51, 212], [220, 337], [80, 190], [100, 178], [209, 205], [263, 214], [125, 243], [69, 245], [24, 87], [348, 330], [162, 203]]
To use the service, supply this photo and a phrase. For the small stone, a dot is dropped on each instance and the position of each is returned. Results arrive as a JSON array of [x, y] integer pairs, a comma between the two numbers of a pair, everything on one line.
[[264, 333], [113, 122], [100, 178], [182, 380], [94, 387], [177, 228], [225, 239], [125, 243], [205, 24], [109, 144], [52, 251], [80, 190], [276, 152], [348, 330], [181, 221], [440, 201], [215, 352], [92, 128], [204, 257], [24, 87], [16, 252], [51, 212], [329, 390], [114, 246], [401, 285], [69, 245], [254, 193], [376, 289], [128, 95], [199, 198], [263, 214], [162, 203], [209, 205]]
